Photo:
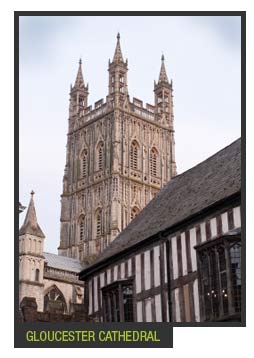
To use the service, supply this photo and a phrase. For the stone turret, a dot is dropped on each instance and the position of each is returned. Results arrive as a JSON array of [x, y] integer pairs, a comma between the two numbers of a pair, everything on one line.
[[31, 259], [118, 84], [164, 112], [78, 93]]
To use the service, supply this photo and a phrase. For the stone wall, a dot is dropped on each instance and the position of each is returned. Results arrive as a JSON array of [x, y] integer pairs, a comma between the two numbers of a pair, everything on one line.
[[28, 313]]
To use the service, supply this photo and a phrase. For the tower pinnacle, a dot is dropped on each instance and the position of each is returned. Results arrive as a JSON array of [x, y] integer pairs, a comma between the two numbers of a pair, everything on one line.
[[79, 83], [30, 225], [163, 74], [118, 57]]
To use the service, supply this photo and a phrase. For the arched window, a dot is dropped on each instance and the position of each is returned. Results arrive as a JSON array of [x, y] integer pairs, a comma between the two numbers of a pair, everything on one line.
[[134, 212], [82, 228], [98, 223], [134, 155], [54, 300], [154, 162], [84, 166], [37, 275], [100, 156]]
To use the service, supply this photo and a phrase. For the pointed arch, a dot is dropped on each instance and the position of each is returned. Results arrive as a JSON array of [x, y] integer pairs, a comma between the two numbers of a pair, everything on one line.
[[154, 162], [84, 163], [54, 299], [98, 222], [82, 228], [100, 155], [134, 155]]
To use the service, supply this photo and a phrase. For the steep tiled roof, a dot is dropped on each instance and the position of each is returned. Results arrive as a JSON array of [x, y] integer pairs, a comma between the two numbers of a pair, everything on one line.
[[62, 262], [187, 194]]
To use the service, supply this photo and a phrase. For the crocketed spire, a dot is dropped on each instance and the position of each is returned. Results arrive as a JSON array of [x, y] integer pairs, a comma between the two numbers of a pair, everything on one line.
[[163, 74], [31, 225], [79, 83], [118, 57]]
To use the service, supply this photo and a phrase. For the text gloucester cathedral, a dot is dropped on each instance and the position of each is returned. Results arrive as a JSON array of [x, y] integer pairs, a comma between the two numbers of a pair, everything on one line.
[[149, 245]]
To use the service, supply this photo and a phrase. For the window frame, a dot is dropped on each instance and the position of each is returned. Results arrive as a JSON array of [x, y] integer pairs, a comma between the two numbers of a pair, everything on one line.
[[98, 223], [82, 229], [225, 311], [100, 156], [111, 290], [154, 162], [37, 275], [134, 155], [84, 164]]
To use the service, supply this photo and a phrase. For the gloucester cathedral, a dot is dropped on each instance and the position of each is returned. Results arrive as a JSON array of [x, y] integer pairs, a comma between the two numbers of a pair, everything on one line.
[[138, 242]]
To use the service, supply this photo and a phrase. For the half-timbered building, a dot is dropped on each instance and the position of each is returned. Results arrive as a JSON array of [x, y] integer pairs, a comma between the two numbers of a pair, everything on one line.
[[179, 260]]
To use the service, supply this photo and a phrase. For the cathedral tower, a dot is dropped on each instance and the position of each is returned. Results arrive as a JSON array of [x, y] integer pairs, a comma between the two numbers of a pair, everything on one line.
[[31, 259], [120, 153]]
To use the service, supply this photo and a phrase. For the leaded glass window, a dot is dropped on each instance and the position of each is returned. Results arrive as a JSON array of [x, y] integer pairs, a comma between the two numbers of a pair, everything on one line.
[[219, 267], [118, 302]]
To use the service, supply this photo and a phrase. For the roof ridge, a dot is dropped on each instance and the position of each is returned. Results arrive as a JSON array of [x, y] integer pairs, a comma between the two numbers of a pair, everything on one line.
[[65, 257]]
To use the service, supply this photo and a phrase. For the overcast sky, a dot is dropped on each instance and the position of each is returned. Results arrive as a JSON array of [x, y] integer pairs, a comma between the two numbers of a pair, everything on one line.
[[202, 56]]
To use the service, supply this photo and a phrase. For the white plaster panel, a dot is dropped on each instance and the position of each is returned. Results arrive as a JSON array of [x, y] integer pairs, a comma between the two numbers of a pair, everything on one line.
[[108, 276], [174, 257], [102, 280], [203, 232], [115, 272], [148, 306], [196, 300], [213, 224], [129, 267], [184, 257], [138, 273], [122, 270], [224, 219], [156, 251], [193, 242], [95, 287], [139, 312], [158, 308], [165, 263], [177, 305], [237, 217], [147, 272], [90, 297]]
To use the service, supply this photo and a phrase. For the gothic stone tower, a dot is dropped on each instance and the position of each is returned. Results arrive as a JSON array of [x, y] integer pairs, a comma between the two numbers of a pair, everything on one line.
[[119, 155]]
